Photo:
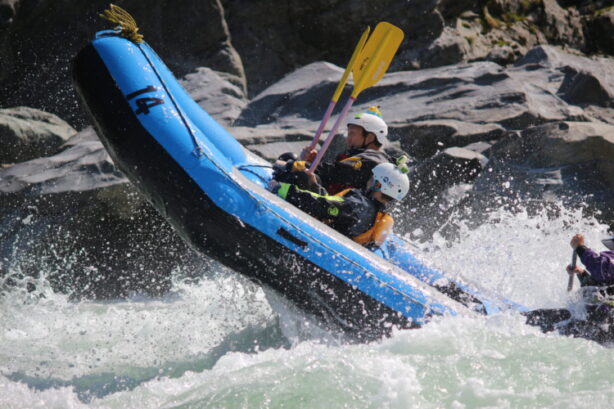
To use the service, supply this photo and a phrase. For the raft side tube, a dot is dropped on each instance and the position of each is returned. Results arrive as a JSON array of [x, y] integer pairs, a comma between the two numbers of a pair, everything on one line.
[[147, 93]]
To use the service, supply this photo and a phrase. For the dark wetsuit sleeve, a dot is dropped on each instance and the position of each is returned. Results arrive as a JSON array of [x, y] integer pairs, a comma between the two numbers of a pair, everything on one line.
[[600, 266], [345, 173], [318, 206], [350, 215]]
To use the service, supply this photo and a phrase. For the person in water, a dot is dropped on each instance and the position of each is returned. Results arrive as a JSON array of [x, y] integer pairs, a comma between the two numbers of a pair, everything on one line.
[[597, 281], [356, 213], [600, 265], [366, 135]]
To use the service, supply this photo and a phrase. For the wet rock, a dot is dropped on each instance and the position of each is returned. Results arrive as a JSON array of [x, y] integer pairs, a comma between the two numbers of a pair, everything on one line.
[[562, 144], [567, 162], [298, 100], [436, 185], [8, 10], [600, 30], [45, 36], [84, 165], [423, 139], [448, 168], [578, 80], [75, 218], [220, 94], [27, 133]]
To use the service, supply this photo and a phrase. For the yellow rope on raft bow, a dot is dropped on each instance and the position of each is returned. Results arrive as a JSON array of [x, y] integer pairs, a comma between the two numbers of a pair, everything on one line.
[[118, 15]]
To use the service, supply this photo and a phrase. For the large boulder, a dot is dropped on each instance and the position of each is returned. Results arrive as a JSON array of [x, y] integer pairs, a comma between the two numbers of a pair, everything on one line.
[[38, 46], [563, 145], [566, 162], [579, 80], [298, 100], [40, 37], [423, 139], [219, 93], [600, 30], [481, 92], [75, 218], [27, 133], [83, 165]]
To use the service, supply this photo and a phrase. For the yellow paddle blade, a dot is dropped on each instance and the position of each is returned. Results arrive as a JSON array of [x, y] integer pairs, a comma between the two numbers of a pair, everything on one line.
[[376, 56], [348, 69]]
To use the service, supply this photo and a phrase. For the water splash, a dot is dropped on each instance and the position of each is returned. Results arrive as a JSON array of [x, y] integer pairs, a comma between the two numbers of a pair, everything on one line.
[[520, 255], [222, 341]]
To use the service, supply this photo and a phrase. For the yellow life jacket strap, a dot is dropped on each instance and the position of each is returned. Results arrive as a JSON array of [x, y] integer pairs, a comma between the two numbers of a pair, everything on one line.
[[357, 161], [343, 192], [377, 234]]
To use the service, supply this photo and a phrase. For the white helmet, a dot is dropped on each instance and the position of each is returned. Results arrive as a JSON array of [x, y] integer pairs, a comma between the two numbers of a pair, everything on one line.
[[371, 121], [394, 182], [609, 242]]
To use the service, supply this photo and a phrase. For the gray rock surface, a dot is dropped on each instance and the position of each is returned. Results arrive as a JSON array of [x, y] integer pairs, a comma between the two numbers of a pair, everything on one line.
[[248, 40], [74, 217], [27, 133], [600, 29], [83, 165], [220, 94], [563, 145], [569, 163], [44, 36], [423, 139]]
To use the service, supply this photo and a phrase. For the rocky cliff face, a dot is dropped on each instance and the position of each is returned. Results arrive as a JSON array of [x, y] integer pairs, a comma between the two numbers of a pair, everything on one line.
[[499, 103], [260, 42]]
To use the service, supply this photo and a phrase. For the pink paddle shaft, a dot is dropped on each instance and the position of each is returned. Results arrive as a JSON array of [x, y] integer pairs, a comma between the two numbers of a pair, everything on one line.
[[316, 138], [332, 133]]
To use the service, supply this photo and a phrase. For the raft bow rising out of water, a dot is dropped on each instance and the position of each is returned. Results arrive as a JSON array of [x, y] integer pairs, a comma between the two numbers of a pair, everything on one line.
[[212, 191]]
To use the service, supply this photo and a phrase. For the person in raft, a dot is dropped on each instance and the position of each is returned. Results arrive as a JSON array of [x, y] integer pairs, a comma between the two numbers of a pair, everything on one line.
[[366, 136], [357, 213], [597, 281], [600, 265]]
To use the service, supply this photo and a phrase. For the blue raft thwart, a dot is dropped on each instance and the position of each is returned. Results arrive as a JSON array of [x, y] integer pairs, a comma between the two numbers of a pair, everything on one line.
[[212, 191]]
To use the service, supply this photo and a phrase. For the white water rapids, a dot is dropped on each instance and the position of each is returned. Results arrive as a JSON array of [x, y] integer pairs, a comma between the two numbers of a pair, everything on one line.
[[225, 343]]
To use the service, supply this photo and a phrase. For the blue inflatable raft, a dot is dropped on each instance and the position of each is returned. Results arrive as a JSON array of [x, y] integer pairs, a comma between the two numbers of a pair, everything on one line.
[[212, 191]]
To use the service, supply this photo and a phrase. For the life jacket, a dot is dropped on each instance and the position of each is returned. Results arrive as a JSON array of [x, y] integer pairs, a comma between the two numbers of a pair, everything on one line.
[[377, 234], [337, 188], [362, 161]]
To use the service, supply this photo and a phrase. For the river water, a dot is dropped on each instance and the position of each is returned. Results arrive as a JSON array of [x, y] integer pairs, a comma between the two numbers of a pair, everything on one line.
[[223, 342]]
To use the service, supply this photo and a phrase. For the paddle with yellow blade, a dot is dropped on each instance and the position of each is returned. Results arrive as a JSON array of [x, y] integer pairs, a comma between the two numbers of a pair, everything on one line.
[[337, 94], [370, 66]]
